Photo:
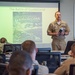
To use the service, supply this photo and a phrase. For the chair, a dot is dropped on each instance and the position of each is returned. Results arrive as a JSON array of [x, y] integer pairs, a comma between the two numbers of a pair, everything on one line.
[[3, 69], [51, 59], [72, 69], [68, 47], [2, 63], [35, 70], [2, 58], [44, 49]]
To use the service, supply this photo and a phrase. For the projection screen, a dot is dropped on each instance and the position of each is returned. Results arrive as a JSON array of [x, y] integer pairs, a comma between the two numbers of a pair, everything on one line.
[[20, 21]]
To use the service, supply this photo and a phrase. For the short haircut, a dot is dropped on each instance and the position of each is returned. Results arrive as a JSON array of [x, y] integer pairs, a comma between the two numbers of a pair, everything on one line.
[[56, 12], [3, 40], [19, 63], [29, 46], [73, 48]]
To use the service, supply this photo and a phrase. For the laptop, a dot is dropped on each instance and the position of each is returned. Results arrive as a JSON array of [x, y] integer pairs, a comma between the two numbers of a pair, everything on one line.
[[51, 59], [72, 69], [11, 47]]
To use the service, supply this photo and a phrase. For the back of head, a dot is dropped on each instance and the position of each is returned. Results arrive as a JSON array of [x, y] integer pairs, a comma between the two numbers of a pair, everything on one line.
[[29, 46], [20, 62]]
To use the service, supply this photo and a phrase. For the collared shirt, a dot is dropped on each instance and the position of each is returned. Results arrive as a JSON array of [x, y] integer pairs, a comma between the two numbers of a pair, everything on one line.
[[55, 27]]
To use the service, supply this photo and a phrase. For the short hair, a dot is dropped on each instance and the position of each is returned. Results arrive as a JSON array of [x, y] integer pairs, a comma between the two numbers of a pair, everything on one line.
[[19, 63], [73, 48], [29, 46], [56, 12], [3, 40]]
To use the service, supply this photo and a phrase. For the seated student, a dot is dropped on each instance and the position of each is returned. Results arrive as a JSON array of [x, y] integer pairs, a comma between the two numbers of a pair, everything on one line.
[[64, 68], [30, 47], [2, 42], [20, 63]]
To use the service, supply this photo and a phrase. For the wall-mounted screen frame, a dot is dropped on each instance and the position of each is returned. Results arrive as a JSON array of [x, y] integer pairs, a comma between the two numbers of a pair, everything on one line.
[[21, 21]]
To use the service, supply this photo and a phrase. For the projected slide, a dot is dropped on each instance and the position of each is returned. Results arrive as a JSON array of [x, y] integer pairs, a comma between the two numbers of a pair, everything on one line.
[[27, 26], [27, 21]]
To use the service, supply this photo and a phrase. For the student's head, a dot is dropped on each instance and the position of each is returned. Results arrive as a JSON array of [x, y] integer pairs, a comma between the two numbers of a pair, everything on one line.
[[58, 15], [73, 50], [20, 63], [30, 47], [3, 40]]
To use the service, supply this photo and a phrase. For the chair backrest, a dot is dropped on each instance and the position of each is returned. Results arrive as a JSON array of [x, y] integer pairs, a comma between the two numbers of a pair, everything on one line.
[[72, 69], [51, 59], [2, 58], [68, 47], [35, 70], [2, 63], [44, 49], [2, 69]]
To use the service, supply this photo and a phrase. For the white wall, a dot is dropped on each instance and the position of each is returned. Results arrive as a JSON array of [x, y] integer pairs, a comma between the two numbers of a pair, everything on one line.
[[74, 19], [67, 11]]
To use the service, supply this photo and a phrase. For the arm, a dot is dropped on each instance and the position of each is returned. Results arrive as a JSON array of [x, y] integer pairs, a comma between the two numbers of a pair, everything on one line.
[[66, 33], [67, 30], [51, 31], [61, 70]]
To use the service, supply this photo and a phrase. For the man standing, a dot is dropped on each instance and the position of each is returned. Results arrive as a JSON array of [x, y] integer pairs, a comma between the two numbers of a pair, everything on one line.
[[58, 30]]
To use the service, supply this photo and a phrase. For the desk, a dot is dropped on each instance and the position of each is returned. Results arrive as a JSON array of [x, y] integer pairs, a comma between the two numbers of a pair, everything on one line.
[[52, 65], [63, 56]]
